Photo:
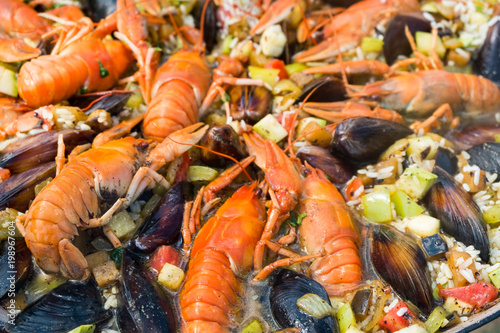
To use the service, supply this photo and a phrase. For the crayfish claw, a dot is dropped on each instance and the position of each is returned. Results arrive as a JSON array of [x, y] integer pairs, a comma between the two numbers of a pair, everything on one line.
[[73, 264]]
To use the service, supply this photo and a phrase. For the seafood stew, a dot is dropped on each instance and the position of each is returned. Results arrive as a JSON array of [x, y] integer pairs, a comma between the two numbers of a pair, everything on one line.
[[249, 166]]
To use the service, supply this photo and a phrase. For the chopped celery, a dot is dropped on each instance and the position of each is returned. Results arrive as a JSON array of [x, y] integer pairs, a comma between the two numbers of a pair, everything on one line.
[[269, 128], [424, 146], [294, 68], [370, 44], [314, 305], [404, 205], [226, 44], [377, 206], [345, 318], [268, 75], [8, 82], [391, 188], [495, 277], [492, 215], [416, 182], [253, 327], [424, 43], [83, 329], [201, 173]]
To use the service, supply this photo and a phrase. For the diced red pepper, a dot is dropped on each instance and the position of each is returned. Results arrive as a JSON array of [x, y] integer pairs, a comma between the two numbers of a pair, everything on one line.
[[183, 169], [278, 64], [399, 317], [4, 174], [286, 120], [352, 187], [164, 254], [477, 294]]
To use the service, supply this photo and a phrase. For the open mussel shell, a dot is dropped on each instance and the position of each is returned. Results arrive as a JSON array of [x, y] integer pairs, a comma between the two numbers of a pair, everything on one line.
[[401, 263], [22, 264], [326, 89], [287, 288], [335, 168], [209, 24], [361, 140], [111, 101], [447, 160], [99, 9], [28, 153], [221, 139], [458, 213], [486, 156], [487, 63], [62, 309], [473, 135], [17, 191], [164, 224], [143, 305], [395, 41]]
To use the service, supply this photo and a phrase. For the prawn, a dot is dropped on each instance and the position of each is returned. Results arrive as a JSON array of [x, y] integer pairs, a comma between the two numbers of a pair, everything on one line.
[[118, 171], [87, 65]]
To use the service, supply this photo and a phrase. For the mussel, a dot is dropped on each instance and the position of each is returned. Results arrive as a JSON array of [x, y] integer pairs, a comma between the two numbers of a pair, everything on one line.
[[209, 22], [486, 156], [473, 135], [335, 168], [17, 191], [99, 9], [62, 309], [447, 160], [111, 101], [143, 305], [361, 140], [400, 261], [221, 139], [459, 214], [28, 153], [395, 41], [487, 63], [287, 288], [249, 103], [164, 223], [14, 269], [323, 89]]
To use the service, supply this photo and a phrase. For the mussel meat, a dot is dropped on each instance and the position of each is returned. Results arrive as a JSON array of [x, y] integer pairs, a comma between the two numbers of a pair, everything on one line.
[[17, 191], [335, 168], [222, 139], [486, 156], [360, 141], [22, 265], [143, 306], [28, 153], [459, 214], [249, 103], [400, 261], [288, 287], [164, 223], [64, 308]]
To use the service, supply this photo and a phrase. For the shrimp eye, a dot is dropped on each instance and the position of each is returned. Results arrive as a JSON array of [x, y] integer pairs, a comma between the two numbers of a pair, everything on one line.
[[143, 146]]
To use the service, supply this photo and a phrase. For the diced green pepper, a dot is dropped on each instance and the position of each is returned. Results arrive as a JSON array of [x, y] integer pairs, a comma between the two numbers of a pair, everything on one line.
[[424, 43], [201, 173], [269, 76], [436, 319], [492, 215], [416, 182], [8, 82], [424, 146], [294, 68], [345, 318], [377, 206], [404, 205], [370, 44]]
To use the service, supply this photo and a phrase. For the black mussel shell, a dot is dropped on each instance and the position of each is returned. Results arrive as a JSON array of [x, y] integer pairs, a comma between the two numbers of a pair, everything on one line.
[[143, 305], [395, 41], [99, 9], [14, 270], [288, 287], [487, 63], [28, 152], [447, 160], [341, 3], [222, 139], [400, 262], [473, 135], [459, 214], [335, 168], [210, 24], [111, 101], [163, 225], [17, 191], [486, 156], [361, 140], [329, 89], [62, 309]]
